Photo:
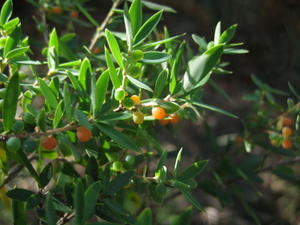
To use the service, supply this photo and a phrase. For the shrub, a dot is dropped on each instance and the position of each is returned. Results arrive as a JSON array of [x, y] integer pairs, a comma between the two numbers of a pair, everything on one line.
[[82, 119]]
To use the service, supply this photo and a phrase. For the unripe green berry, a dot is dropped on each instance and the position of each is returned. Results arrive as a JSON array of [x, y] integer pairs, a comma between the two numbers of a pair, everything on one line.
[[28, 118], [128, 103], [120, 94], [117, 166], [13, 144], [138, 117], [29, 145], [137, 55], [18, 126], [130, 160]]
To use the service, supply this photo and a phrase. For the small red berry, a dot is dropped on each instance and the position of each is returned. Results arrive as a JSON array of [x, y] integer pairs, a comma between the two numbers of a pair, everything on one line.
[[56, 10], [174, 118], [49, 143], [287, 144], [74, 14], [164, 122], [158, 113], [96, 50], [83, 134]]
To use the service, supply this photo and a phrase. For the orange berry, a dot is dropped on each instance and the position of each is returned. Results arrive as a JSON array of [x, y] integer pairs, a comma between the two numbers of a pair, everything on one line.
[[286, 131], [286, 121], [286, 144], [158, 113], [74, 14], [83, 134], [56, 10], [136, 99], [49, 143], [174, 118], [96, 50], [164, 122]]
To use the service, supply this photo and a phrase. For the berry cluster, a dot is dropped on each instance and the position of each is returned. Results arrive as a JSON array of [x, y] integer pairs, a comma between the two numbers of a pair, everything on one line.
[[284, 135]]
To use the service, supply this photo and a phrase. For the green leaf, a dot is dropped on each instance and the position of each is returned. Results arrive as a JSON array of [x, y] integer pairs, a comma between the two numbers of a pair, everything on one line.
[[11, 25], [58, 115], [217, 34], [46, 174], [160, 83], [147, 28], [177, 162], [190, 198], [114, 48], [19, 194], [101, 90], [103, 223], [200, 67], [9, 108], [192, 171], [154, 57], [145, 217], [70, 64], [112, 70], [123, 140], [228, 34], [139, 83], [85, 73], [90, 199], [54, 41], [67, 101], [87, 15], [163, 41], [155, 6], [93, 102], [176, 68], [67, 146], [234, 51], [12, 41], [184, 217], [128, 26], [162, 160], [51, 59], [213, 108], [82, 119], [136, 15], [18, 210], [6, 12], [75, 83], [50, 98], [16, 52], [51, 216], [119, 182], [79, 203], [29, 62]]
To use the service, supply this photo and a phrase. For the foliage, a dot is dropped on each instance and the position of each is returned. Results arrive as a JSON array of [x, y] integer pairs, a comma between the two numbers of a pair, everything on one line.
[[81, 119]]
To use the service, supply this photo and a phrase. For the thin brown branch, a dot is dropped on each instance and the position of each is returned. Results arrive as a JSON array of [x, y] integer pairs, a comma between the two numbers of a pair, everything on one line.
[[99, 31]]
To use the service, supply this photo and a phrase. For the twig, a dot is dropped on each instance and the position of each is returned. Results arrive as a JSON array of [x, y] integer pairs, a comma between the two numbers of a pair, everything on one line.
[[66, 218], [99, 30], [38, 134]]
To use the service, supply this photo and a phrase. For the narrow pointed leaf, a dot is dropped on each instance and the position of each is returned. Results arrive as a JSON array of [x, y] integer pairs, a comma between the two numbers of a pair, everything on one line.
[[112, 70], [145, 217], [153, 57], [101, 89], [190, 198], [51, 216], [85, 73], [48, 94], [136, 15], [160, 83], [114, 48], [128, 26], [119, 182], [6, 12], [79, 203], [58, 114], [16, 52], [192, 171], [139, 83], [90, 199], [12, 41], [10, 102], [123, 140], [147, 28]]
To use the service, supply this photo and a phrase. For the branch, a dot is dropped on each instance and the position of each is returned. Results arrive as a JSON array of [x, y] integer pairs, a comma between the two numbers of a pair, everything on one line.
[[99, 30]]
